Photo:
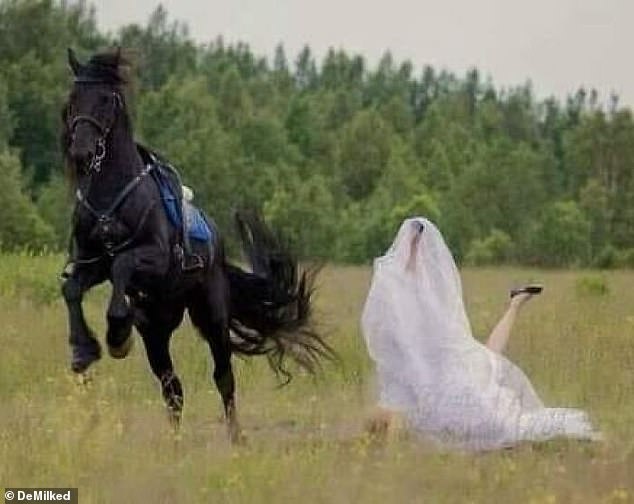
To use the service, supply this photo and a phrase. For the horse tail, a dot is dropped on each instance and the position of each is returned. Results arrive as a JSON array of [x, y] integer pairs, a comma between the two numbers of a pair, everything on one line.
[[271, 306]]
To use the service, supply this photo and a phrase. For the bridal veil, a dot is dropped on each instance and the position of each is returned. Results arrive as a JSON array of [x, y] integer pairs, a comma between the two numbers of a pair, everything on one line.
[[449, 386]]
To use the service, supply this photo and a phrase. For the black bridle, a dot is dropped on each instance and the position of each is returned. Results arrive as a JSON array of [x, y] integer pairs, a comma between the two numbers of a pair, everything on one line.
[[104, 132]]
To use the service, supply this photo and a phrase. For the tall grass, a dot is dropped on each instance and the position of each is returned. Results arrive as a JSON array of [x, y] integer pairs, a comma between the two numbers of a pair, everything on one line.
[[305, 441]]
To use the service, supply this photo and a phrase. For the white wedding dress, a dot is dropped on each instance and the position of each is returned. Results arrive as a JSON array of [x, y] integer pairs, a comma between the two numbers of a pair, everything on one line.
[[450, 387]]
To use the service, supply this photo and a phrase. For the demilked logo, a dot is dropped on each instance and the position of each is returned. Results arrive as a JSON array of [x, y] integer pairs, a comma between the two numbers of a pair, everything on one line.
[[45, 495]]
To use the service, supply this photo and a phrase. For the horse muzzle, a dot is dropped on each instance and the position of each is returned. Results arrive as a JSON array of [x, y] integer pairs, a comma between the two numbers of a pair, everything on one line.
[[82, 155]]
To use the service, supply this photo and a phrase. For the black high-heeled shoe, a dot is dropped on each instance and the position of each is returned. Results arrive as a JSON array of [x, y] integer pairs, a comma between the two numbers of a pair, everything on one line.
[[532, 289]]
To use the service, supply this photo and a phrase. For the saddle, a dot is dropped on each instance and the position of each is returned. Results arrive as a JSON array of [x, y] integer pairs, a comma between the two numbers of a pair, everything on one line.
[[190, 221]]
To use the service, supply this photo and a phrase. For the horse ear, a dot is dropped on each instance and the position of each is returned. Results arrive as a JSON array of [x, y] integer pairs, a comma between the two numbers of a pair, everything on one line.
[[73, 62]]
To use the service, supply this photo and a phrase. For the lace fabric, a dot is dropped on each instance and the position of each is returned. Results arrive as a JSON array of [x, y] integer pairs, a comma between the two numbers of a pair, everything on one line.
[[450, 387]]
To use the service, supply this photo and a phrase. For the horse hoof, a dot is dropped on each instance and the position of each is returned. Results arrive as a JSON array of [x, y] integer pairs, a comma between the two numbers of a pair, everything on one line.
[[121, 351], [174, 418], [84, 379], [83, 358], [79, 367]]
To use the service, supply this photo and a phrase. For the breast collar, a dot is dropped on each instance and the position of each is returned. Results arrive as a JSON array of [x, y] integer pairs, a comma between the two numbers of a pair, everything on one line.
[[105, 218]]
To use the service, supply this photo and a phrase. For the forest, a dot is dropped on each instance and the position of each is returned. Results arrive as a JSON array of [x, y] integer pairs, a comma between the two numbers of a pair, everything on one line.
[[335, 151]]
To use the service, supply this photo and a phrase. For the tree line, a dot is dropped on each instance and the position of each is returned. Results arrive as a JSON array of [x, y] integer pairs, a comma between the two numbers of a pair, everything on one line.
[[336, 152]]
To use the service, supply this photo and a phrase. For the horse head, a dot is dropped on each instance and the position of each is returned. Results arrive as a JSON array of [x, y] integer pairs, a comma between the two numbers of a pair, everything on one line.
[[94, 106]]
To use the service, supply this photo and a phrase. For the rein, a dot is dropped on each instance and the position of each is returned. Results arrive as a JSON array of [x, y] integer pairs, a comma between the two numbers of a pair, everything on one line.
[[130, 186]]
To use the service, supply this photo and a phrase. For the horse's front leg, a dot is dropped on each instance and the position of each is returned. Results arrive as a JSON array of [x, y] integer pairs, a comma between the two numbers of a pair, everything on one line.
[[120, 315], [142, 261], [85, 348]]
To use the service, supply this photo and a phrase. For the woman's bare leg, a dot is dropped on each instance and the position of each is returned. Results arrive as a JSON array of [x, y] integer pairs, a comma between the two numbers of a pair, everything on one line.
[[502, 331]]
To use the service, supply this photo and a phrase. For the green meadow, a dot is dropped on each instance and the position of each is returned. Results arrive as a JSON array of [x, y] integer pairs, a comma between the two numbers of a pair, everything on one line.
[[306, 442]]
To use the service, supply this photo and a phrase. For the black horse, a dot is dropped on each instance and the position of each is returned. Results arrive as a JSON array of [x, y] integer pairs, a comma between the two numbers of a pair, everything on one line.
[[121, 232]]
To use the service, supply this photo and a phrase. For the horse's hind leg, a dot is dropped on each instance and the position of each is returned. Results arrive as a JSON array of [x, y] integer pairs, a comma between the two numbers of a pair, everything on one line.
[[223, 377], [210, 314], [85, 348], [156, 331], [157, 349]]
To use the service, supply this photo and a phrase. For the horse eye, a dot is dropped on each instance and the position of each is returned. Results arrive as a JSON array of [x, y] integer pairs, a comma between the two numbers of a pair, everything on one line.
[[104, 99]]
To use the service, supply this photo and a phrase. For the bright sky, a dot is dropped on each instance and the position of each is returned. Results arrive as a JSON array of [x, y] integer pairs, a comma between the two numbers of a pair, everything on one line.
[[557, 44]]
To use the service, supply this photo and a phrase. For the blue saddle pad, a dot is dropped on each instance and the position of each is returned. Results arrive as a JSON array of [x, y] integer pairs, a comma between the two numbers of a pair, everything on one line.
[[196, 224]]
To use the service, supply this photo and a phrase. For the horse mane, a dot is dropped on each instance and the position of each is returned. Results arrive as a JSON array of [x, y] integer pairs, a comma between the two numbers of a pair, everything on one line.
[[108, 67], [64, 141]]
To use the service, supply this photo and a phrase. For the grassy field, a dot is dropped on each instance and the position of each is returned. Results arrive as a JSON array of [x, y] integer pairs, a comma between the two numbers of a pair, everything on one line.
[[305, 441]]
